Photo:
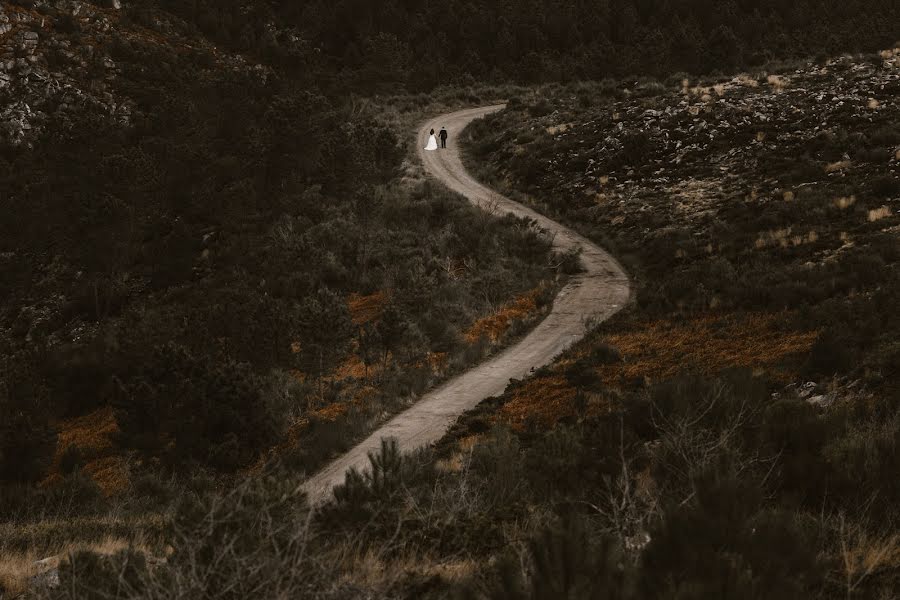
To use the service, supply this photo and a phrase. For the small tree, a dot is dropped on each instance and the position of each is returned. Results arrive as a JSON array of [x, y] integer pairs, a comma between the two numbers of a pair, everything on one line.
[[390, 330], [326, 330], [27, 439]]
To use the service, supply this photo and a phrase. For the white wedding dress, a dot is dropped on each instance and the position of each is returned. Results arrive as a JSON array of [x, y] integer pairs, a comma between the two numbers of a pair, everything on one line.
[[432, 142]]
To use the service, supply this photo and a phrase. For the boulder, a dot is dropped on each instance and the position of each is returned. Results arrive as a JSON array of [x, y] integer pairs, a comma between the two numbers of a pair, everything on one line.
[[47, 574]]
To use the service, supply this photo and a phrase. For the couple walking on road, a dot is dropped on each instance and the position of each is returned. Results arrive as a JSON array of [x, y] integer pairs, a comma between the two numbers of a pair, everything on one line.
[[432, 140]]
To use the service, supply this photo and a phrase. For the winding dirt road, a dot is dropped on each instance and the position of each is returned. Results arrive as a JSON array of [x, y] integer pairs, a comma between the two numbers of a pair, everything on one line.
[[598, 293]]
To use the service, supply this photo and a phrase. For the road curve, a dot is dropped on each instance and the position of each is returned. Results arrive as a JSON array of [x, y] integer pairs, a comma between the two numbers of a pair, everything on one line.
[[598, 293]]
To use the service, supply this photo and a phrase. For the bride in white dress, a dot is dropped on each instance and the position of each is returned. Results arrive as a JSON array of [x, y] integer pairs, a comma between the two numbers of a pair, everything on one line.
[[432, 142]]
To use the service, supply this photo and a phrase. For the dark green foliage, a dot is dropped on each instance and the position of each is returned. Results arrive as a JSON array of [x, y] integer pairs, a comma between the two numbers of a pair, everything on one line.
[[685, 558], [553, 464], [95, 577], [325, 329], [70, 460], [423, 44], [20, 501], [886, 186], [563, 561], [498, 461], [831, 354], [192, 408], [363, 494], [27, 438], [566, 565], [234, 524]]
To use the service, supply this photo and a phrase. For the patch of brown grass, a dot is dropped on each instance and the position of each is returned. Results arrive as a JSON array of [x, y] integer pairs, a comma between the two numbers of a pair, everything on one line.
[[377, 571], [332, 412], [494, 326], [92, 435], [353, 367], [660, 349], [109, 473], [17, 568], [438, 361], [366, 309], [561, 128], [845, 202], [837, 166], [876, 214], [778, 82], [542, 401]]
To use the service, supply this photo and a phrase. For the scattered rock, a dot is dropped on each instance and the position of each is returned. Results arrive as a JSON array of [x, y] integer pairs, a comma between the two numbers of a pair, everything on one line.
[[822, 400], [48, 574]]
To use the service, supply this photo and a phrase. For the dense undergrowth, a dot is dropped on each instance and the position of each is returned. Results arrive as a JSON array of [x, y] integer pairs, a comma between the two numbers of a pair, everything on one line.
[[754, 381], [248, 269], [203, 303]]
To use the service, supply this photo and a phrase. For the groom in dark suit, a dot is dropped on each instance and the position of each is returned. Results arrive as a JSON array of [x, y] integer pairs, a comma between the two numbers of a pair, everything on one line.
[[443, 136]]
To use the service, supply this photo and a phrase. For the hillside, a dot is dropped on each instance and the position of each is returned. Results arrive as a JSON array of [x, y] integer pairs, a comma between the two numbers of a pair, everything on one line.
[[206, 263], [774, 193], [742, 447], [221, 266]]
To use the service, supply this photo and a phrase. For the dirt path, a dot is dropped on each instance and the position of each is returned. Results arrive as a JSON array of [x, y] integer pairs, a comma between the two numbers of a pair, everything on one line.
[[597, 294]]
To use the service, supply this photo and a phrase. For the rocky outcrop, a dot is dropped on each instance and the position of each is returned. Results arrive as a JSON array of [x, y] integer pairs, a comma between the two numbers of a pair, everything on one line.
[[46, 69]]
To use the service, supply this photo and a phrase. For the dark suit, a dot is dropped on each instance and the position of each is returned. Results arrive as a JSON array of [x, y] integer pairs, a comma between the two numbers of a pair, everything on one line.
[[443, 136]]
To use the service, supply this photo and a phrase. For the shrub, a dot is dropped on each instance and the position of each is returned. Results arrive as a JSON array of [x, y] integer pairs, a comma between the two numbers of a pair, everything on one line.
[[186, 407], [553, 464], [563, 562], [832, 353], [497, 461], [86, 575], [570, 262], [541, 108], [71, 460], [886, 186], [27, 439]]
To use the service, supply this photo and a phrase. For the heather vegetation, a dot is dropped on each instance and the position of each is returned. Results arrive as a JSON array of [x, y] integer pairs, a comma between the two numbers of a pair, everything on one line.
[[752, 388], [219, 266]]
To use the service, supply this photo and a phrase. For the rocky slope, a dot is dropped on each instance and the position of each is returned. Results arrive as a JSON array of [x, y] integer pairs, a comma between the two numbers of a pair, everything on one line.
[[658, 161], [55, 62], [771, 191]]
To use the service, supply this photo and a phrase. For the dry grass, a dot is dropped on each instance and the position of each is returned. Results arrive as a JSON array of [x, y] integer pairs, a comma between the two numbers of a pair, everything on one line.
[[92, 435], [332, 412], [111, 474], [382, 571], [17, 568], [845, 202], [366, 309], [561, 128], [877, 214], [862, 555], [354, 368], [778, 82], [660, 349], [89, 433], [746, 80], [494, 326], [837, 166], [542, 401], [777, 237], [657, 350]]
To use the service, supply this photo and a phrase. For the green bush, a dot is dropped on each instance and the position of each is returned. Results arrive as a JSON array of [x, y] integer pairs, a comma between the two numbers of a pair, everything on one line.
[[832, 353], [90, 576], [27, 437], [497, 461], [186, 407]]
